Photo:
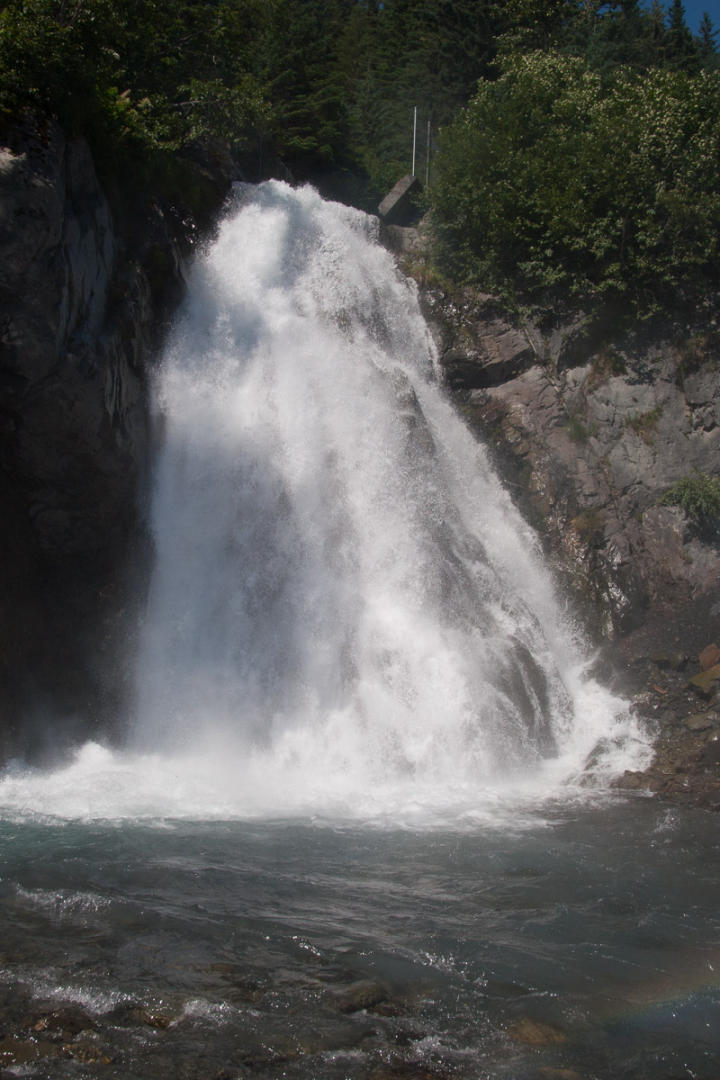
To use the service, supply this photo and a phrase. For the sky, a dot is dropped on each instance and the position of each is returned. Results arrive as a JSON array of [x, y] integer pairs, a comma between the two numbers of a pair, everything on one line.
[[694, 10]]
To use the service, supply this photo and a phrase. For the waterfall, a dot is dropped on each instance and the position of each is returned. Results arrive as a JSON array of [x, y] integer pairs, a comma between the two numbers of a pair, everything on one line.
[[347, 614]]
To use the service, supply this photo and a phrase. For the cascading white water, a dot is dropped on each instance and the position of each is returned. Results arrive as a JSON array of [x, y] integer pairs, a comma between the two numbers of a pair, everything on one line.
[[347, 614]]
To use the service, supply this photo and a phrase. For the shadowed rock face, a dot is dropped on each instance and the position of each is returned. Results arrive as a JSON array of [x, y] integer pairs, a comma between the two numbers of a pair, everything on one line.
[[72, 392], [79, 316]]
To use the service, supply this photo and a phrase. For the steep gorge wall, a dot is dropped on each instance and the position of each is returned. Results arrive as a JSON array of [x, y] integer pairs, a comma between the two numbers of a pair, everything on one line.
[[592, 422], [592, 429], [83, 298]]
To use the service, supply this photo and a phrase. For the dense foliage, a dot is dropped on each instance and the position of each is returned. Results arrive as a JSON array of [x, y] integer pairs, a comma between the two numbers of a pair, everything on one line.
[[314, 84], [134, 75], [408, 53], [557, 179], [579, 147], [588, 169]]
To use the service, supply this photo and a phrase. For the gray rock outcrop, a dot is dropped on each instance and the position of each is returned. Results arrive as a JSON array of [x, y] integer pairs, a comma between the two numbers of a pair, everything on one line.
[[591, 430], [399, 207]]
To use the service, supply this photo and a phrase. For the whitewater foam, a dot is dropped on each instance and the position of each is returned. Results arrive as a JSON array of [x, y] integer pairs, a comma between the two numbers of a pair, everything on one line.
[[348, 618]]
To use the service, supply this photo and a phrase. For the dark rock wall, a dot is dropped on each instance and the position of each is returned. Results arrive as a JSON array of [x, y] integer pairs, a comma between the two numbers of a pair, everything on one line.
[[82, 302]]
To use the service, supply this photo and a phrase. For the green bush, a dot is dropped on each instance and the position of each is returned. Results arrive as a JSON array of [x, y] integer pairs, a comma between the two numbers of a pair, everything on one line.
[[557, 181], [144, 76], [698, 495]]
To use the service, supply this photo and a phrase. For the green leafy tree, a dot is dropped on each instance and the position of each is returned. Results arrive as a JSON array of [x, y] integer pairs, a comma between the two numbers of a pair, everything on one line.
[[146, 74], [57, 56], [557, 182]]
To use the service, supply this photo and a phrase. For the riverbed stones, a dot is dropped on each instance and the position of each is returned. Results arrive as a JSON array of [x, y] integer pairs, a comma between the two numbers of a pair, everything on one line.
[[676, 661], [551, 1073], [631, 781], [709, 657], [536, 1033], [15, 1050], [706, 682], [86, 1053], [361, 995], [151, 1018], [62, 1024], [684, 767], [409, 1070], [710, 754], [700, 721]]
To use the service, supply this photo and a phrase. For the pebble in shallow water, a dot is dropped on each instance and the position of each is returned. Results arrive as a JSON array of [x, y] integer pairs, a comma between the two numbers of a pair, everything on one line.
[[536, 1033]]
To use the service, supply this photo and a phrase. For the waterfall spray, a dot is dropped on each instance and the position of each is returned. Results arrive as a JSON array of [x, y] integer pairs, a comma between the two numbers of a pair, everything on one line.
[[347, 614]]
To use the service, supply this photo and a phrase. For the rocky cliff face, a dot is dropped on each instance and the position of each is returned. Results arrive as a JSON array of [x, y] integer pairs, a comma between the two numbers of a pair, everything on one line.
[[82, 302], [591, 426], [593, 430]]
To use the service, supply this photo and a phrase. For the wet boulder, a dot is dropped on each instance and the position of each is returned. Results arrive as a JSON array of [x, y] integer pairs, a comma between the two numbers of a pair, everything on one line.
[[361, 995]]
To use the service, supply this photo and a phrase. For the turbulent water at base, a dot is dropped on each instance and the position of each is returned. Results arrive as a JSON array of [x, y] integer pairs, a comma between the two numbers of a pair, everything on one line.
[[361, 828], [347, 615]]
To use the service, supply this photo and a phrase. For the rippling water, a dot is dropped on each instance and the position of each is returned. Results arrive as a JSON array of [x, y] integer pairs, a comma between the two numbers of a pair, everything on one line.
[[589, 943]]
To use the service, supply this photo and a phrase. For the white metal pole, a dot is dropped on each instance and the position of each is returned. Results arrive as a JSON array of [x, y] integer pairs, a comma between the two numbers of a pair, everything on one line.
[[427, 157], [414, 137]]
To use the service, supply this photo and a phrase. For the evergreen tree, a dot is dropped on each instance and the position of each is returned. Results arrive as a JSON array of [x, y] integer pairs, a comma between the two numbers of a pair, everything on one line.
[[301, 72], [680, 47], [610, 35], [707, 33], [706, 42], [407, 53], [676, 16], [657, 16]]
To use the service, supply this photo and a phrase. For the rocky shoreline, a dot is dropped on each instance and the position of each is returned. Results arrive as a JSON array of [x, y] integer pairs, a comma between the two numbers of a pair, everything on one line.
[[679, 706]]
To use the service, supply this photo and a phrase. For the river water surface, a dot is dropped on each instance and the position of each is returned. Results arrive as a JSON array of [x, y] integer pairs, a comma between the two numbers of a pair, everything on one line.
[[584, 945]]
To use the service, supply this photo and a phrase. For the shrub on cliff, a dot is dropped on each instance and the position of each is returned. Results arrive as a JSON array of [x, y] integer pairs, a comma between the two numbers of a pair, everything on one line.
[[557, 181], [698, 496]]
